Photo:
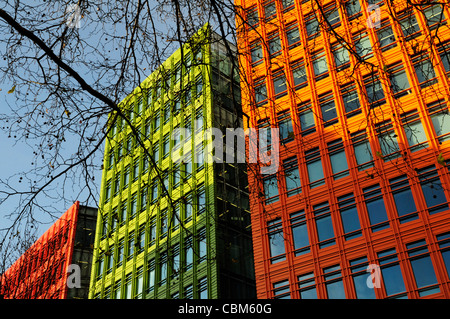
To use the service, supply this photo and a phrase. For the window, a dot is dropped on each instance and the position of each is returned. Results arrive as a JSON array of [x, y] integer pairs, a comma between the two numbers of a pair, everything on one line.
[[306, 116], [141, 239], [440, 118], [198, 86], [188, 253], [177, 72], [274, 44], [292, 177], [324, 225], [256, 53], [270, 189], [403, 198], [108, 191], [299, 73], [387, 139], [341, 57], [415, 133], [201, 200], [444, 53], [331, 15], [166, 146], [386, 38], [270, 10], [126, 177], [152, 231], [260, 92], [422, 267], [319, 62], [307, 286], [203, 288], [175, 219], [138, 283], [314, 166], [133, 206], [281, 290], [276, 240], [150, 284], [432, 190], [312, 26], [135, 171], [328, 108], [164, 223], [155, 151], [353, 9], [285, 127], [128, 283], [444, 244], [279, 84], [363, 47], [391, 274], [299, 233], [175, 264], [374, 90], [162, 268], [434, 16], [375, 208], [293, 35], [287, 4], [349, 216], [408, 23], [156, 121], [252, 17], [120, 253], [359, 273], [399, 81], [130, 248], [202, 245], [333, 282], [424, 69], [338, 159], [188, 208], [351, 100]]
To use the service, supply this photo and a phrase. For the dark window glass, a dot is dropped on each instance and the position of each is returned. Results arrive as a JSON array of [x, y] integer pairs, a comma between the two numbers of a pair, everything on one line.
[[276, 240], [376, 208], [324, 225], [349, 216], [403, 198]]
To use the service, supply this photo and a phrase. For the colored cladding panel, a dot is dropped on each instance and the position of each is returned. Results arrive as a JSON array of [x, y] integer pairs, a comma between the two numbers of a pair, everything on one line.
[[159, 234], [40, 273], [369, 139]]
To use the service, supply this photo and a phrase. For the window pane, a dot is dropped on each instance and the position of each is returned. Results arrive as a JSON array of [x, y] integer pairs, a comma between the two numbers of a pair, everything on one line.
[[315, 171], [393, 279], [423, 271], [361, 288], [324, 228], [335, 290], [300, 235]]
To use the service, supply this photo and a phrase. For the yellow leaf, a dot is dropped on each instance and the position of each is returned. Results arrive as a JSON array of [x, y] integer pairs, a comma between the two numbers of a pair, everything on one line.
[[12, 90], [441, 159]]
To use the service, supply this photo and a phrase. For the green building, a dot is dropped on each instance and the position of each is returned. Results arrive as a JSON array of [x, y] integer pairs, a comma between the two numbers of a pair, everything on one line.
[[171, 223]]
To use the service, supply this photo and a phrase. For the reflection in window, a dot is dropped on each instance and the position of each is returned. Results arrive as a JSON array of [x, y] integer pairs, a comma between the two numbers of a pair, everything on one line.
[[376, 208], [359, 275], [391, 274], [403, 198], [276, 240]]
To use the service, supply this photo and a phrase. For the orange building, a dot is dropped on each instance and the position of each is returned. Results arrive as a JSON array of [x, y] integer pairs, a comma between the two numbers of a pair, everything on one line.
[[359, 90], [42, 271]]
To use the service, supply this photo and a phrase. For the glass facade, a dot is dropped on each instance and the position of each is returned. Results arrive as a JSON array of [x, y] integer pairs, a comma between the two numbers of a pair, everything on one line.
[[358, 207], [163, 230]]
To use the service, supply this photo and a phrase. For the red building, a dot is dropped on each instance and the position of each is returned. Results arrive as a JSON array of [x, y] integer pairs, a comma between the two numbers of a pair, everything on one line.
[[41, 272], [359, 206]]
